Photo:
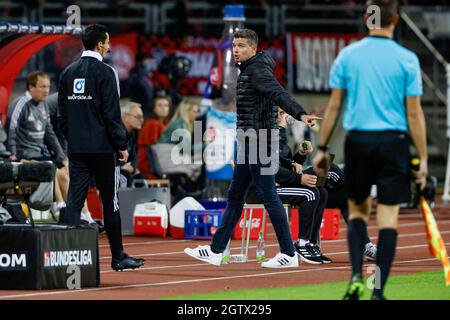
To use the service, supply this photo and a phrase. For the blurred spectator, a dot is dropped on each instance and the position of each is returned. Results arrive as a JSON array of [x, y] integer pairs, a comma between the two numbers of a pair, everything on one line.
[[152, 130], [30, 132], [132, 119], [141, 85], [179, 133], [184, 118], [4, 153], [30, 126]]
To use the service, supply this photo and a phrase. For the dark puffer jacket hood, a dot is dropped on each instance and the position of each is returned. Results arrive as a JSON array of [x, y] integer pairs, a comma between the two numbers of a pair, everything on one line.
[[261, 57]]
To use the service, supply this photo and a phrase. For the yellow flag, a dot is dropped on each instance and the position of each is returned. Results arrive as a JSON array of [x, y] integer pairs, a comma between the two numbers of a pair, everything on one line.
[[435, 242]]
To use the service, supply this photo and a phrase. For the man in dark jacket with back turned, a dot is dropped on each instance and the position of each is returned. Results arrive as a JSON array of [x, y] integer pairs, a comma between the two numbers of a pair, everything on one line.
[[258, 92], [89, 118]]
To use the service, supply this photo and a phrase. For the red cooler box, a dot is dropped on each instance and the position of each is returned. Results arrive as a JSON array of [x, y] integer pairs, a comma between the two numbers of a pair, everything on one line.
[[151, 219], [256, 225], [94, 204], [329, 229]]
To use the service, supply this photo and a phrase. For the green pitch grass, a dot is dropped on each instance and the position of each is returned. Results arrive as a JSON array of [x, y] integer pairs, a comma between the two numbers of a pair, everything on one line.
[[419, 286]]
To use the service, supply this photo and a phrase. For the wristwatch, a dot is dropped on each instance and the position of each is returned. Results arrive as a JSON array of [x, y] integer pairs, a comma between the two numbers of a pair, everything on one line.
[[323, 147]]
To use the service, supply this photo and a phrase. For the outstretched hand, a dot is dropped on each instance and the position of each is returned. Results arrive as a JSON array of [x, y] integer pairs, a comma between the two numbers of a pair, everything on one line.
[[310, 120]]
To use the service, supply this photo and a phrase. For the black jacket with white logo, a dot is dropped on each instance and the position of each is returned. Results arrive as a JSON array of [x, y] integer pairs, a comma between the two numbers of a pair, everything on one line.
[[89, 109]]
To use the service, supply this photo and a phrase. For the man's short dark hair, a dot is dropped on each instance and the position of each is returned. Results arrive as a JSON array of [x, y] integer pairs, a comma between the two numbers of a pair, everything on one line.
[[32, 78], [92, 35], [248, 34], [388, 9]]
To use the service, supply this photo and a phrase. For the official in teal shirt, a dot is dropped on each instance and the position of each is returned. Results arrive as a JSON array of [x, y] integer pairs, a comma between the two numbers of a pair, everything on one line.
[[378, 74], [382, 83]]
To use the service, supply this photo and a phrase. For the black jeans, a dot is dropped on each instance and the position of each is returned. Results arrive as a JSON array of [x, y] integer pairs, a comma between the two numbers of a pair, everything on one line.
[[243, 175]]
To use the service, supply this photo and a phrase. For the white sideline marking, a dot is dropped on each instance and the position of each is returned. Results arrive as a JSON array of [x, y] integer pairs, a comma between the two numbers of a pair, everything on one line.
[[154, 284], [340, 230], [273, 245], [344, 229], [168, 241], [254, 260]]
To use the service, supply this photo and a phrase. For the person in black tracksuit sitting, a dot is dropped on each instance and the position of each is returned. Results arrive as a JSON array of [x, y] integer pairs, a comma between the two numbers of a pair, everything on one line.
[[89, 118], [299, 190]]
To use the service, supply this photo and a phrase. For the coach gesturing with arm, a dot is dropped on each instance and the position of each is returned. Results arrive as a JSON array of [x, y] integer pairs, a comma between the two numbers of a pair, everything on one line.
[[89, 117]]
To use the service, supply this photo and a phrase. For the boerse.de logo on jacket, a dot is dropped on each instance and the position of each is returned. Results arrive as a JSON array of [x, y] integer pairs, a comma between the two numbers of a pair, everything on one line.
[[67, 258], [79, 85], [13, 261]]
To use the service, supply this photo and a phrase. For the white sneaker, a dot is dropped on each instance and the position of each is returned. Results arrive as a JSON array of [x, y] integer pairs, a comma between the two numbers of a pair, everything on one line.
[[281, 260], [205, 254], [56, 207], [370, 252], [86, 216]]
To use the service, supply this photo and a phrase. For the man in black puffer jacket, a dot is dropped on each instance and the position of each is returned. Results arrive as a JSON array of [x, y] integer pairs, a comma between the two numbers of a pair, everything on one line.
[[258, 92]]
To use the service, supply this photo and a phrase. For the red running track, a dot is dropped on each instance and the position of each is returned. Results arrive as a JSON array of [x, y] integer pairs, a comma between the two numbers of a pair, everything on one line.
[[169, 272]]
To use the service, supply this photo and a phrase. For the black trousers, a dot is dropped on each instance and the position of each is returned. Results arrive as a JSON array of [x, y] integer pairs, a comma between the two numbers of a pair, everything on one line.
[[243, 176], [105, 169], [311, 204]]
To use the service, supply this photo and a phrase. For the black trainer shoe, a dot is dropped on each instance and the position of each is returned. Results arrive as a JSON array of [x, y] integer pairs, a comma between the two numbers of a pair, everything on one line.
[[307, 253], [325, 259], [100, 226], [126, 263], [355, 288], [377, 297]]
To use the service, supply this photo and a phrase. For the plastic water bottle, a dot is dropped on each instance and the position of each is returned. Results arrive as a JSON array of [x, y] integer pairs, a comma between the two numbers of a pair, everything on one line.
[[233, 19], [260, 253], [325, 165], [226, 254], [224, 73]]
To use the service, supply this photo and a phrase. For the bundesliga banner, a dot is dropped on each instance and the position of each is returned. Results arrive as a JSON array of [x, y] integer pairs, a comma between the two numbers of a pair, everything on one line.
[[48, 257], [310, 57]]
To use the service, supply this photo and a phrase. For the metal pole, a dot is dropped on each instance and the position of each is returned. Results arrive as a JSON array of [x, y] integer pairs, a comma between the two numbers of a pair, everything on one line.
[[243, 230], [446, 195], [436, 82], [249, 228], [263, 222]]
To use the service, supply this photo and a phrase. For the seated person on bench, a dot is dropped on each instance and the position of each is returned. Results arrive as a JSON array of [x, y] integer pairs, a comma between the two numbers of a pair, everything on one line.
[[31, 135], [132, 119], [299, 190]]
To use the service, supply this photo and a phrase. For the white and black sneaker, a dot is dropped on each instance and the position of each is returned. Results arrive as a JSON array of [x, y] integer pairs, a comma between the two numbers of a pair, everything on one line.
[[205, 254], [281, 260], [318, 250], [307, 253], [370, 252]]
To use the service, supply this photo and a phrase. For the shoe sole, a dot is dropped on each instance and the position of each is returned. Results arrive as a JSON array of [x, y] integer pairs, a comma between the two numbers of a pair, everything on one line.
[[367, 258], [309, 261], [132, 268], [279, 266], [193, 255]]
